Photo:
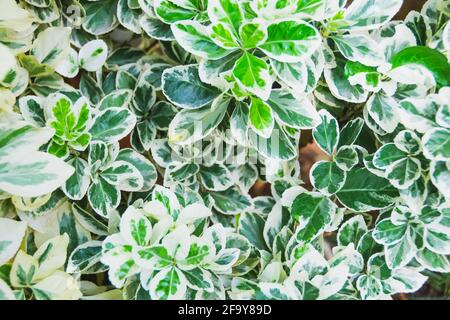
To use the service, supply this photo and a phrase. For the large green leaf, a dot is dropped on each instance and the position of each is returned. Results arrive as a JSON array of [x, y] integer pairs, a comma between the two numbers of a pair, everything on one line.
[[431, 59], [103, 197], [291, 41], [194, 38], [313, 213], [168, 284], [100, 16], [261, 118], [112, 124], [326, 134], [364, 191], [192, 125], [436, 144], [252, 73], [370, 14], [359, 48], [183, 87], [231, 201], [295, 112], [327, 177]]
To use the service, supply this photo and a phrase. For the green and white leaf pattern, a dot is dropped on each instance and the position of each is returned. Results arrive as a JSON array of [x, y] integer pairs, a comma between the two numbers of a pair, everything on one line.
[[326, 134], [183, 87], [224, 149], [290, 41]]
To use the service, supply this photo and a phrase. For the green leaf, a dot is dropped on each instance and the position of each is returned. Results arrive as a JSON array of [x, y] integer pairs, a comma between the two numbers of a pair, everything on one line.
[[278, 146], [418, 114], [199, 279], [100, 16], [90, 89], [313, 213], [170, 12], [183, 171], [183, 87], [103, 197], [408, 141], [295, 75], [326, 134], [351, 231], [86, 258], [194, 38], [144, 96], [340, 85], [239, 121], [400, 254], [387, 233], [135, 228], [192, 125], [252, 35], [327, 177], [77, 185], [227, 11], [116, 99], [122, 56], [295, 112], [443, 115], [23, 270], [440, 176], [290, 41], [369, 287], [429, 58], [89, 221], [350, 132], [32, 110], [368, 15], [112, 124], [404, 172], [261, 118], [387, 155], [213, 71], [347, 158], [245, 175], [367, 246], [382, 109], [142, 164], [123, 175], [223, 36], [436, 144], [34, 175], [216, 177], [364, 191], [154, 257], [68, 67], [231, 201], [433, 261], [273, 291], [197, 254], [359, 48], [251, 226], [155, 28], [129, 17], [168, 284], [437, 237], [252, 74]]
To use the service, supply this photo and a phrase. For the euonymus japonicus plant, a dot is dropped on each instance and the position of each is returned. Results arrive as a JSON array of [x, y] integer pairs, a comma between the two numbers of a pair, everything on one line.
[[224, 149]]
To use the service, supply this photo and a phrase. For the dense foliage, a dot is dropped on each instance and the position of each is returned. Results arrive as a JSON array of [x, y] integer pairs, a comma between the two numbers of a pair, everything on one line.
[[133, 132]]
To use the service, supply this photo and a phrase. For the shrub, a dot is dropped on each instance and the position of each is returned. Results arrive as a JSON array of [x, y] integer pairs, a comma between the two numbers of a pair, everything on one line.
[[157, 143]]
